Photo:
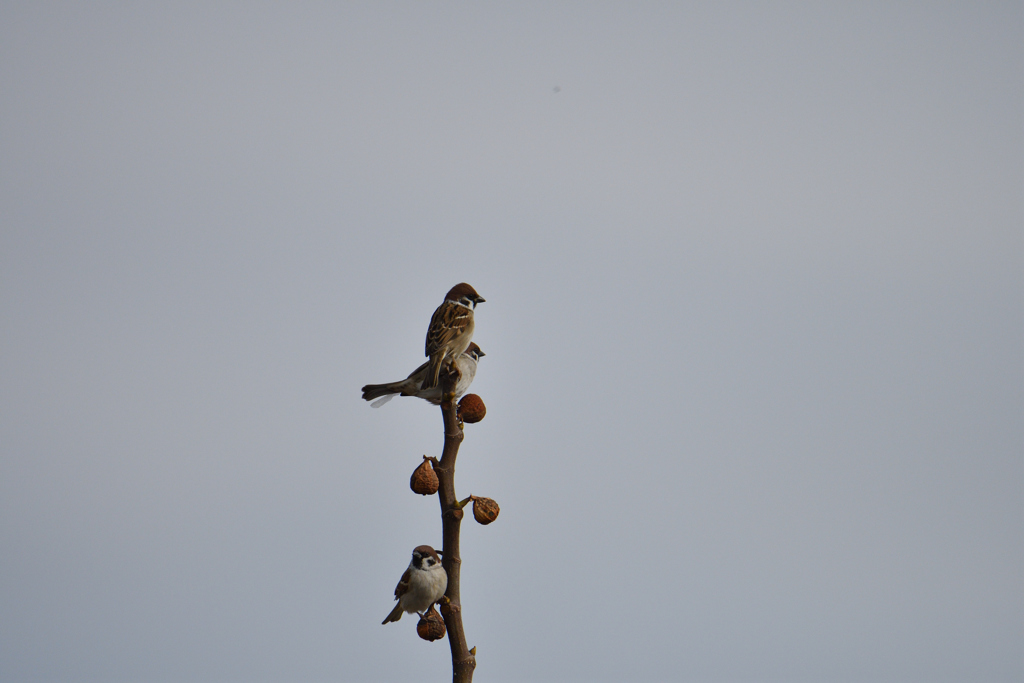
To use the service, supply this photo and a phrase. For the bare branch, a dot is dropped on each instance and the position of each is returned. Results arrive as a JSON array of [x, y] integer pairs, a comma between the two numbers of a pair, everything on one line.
[[463, 659]]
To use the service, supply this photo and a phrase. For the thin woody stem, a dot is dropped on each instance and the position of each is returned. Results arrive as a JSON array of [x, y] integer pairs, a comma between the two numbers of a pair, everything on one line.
[[463, 661]]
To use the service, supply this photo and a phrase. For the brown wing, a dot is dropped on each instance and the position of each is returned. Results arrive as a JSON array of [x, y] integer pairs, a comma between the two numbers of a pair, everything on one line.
[[448, 322], [418, 370], [403, 584]]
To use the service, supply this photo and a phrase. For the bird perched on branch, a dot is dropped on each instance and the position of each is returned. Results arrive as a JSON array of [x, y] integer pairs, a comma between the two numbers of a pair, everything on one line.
[[450, 331], [413, 384], [422, 584]]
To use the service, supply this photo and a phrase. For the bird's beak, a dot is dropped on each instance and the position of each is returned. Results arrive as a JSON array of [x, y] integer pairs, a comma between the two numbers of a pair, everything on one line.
[[479, 300]]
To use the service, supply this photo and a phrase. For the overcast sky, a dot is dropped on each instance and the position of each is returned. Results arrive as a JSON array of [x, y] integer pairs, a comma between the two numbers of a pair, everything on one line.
[[754, 332]]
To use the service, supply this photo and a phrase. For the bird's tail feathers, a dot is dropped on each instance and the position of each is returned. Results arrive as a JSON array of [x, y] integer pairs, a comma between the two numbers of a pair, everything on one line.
[[372, 391], [382, 400], [395, 615], [433, 372]]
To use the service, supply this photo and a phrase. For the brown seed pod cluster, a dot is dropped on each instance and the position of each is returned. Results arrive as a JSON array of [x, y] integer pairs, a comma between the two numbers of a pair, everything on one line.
[[430, 626], [471, 409], [485, 510], [424, 479]]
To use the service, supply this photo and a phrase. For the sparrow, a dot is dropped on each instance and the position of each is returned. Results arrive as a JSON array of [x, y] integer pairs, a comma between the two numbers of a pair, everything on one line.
[[450, 331], [413, 384], [422, 584]]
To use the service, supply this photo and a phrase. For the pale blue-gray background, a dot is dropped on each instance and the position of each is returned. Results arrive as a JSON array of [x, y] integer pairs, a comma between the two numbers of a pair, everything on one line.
[[753, 329]]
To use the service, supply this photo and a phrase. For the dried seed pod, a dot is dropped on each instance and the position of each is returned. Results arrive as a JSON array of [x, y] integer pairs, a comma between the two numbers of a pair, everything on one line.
[[430, 626], [424, 479], [472, 409], [485, 510]]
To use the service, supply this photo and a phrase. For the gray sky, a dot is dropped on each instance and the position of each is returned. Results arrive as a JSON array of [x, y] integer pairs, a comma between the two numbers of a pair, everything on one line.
[[755, 349]]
